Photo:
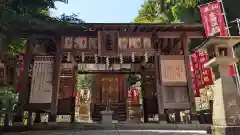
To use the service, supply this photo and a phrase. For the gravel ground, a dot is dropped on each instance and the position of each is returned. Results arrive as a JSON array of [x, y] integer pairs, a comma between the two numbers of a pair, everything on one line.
[[111, 132]]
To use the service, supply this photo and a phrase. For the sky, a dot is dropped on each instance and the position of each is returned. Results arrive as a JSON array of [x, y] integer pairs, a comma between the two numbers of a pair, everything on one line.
[[101, 11]]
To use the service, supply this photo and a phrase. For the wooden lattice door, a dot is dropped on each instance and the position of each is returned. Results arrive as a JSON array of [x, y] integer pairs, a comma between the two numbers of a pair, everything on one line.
[[110, 89]]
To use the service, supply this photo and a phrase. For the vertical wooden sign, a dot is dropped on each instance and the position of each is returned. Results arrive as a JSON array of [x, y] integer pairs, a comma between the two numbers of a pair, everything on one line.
[[108, 43], [41, 85]]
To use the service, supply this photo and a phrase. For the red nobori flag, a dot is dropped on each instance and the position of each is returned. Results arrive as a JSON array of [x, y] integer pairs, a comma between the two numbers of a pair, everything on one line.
[[195, 85], [207, 76], [212, 19], [231, 71], [201, 76], [195, 61], [203, 58]]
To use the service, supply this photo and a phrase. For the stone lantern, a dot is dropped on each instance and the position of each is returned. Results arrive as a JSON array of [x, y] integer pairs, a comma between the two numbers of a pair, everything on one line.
[[226, 103]]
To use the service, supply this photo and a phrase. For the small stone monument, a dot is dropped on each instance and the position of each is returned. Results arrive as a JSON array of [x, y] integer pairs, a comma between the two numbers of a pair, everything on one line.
[[107, 114], [226, 103]]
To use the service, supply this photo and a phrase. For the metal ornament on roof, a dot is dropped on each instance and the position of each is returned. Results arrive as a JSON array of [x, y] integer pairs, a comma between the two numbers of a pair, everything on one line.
[[146, 57], [133, 57]]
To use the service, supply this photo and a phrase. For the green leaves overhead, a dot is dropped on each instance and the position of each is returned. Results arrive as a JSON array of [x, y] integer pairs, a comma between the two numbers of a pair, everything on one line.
[[167, 11], [153, 11], [171, 11], [31, 14], [17, 16], [84, 81], [23, 15]]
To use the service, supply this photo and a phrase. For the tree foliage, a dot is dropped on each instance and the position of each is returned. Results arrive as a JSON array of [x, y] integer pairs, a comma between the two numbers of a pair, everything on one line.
[[171, 11], [167, 11], [18, 15], [153, 11], [84, 81], [25, 13]]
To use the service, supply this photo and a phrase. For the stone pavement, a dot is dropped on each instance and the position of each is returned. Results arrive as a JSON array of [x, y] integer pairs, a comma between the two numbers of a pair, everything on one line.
[[111, 132], [108, 129]]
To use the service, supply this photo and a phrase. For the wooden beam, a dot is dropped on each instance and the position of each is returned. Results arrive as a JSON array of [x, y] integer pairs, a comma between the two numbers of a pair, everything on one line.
[[159, 89], [189, 77], [197, 34], [164, 45], [74, 79], [24, 94], [177, 34], [167, 34], [109, 72], [56, 78], [126, 52]]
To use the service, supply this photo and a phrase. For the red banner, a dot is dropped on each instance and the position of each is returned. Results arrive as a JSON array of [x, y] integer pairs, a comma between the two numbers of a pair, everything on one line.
[[195, 85], [201, 77], [212, 19], [21, 66], [133, 95], [207, 76], [77, 98], [231, 71]]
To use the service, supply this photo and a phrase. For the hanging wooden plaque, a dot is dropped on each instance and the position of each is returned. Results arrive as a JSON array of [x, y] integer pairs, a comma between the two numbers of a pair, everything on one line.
[[108, 43], [173, 70]]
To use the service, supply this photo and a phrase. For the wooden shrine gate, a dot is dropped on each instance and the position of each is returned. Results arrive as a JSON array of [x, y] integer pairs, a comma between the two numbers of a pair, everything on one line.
[[117, 49]]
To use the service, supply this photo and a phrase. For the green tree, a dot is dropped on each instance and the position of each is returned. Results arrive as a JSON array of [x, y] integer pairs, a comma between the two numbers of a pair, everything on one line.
[[171, 11], [18, 15], [154, 12], [84, 81]]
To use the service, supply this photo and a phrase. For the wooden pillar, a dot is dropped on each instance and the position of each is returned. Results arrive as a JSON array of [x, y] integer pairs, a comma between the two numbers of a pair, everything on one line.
[[3, 44], [159, 88], [3, 49], [29, 119], [56, 80], [24, 94], [185, 42], [125, 90], [75, 70], [144, 99], [38, 117]]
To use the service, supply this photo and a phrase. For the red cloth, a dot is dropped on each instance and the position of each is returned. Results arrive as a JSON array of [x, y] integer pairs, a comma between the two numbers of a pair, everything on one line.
[[231, 71], [19, 77], [3, 58]]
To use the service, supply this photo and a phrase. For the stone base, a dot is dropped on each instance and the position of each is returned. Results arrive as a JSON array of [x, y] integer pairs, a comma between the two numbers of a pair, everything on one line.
[[107, 117], [134, 114], [224, 130], [162, 122]]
